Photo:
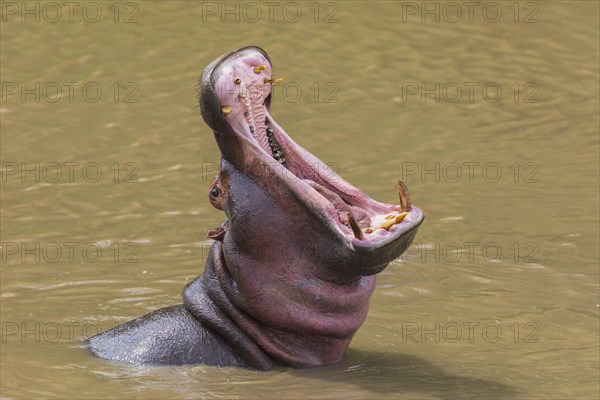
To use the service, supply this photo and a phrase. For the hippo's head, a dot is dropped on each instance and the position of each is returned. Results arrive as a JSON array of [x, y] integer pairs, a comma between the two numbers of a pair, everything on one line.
[[289, 278], [281, 199]]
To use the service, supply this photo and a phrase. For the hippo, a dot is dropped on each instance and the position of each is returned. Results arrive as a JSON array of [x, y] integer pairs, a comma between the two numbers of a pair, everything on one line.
[[288, 279]]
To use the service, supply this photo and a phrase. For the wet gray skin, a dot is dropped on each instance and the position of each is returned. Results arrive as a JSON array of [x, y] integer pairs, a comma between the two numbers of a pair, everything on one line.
[[289, 277]]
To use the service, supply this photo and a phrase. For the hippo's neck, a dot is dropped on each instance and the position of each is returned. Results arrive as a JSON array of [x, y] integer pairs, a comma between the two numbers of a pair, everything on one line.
[[293, 320]]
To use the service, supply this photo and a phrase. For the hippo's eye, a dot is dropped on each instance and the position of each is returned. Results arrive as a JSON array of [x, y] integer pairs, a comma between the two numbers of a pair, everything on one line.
[[214, 192]]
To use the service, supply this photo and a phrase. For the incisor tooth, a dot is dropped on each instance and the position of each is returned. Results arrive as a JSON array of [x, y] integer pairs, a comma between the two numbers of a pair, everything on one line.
[[400, 217], [387, 224], [259, 68], [390, 220], [226, 110], [274, 81]]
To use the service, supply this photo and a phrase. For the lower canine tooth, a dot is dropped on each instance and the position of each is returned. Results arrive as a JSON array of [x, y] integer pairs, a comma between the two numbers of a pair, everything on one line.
[[358, 233], [404, 195]]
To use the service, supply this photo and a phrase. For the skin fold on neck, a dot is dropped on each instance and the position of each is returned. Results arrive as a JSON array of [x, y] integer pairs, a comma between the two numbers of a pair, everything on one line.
[[295, 322]]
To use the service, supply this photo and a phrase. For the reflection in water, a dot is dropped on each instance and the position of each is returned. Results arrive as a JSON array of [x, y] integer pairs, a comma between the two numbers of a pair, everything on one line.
[[391, 374], [360, 374]]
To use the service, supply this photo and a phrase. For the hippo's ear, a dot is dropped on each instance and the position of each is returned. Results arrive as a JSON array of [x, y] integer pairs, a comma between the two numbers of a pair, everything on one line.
[[216, 234]]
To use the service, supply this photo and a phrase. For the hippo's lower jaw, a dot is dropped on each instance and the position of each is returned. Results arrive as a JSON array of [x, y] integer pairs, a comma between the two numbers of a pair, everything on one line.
[[289, 278]]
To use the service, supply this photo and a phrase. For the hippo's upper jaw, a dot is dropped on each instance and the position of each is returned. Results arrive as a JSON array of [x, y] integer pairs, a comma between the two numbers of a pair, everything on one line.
[[235, 100]]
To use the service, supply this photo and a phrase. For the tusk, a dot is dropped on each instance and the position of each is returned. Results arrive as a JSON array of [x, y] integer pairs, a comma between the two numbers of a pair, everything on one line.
[[358, 233], [404, 195]]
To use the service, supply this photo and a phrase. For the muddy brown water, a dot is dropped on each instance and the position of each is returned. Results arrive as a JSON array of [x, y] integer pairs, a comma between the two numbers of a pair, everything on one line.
[[490, 116]]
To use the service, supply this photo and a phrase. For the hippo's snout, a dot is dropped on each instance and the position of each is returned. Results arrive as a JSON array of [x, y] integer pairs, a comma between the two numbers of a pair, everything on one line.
[[235, 101]]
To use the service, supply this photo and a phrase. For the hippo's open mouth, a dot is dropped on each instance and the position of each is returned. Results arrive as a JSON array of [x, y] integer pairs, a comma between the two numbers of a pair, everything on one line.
[[236, 100]]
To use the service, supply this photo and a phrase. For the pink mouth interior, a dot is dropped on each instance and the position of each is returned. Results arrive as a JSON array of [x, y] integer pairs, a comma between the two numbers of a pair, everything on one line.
[[242, 83]]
